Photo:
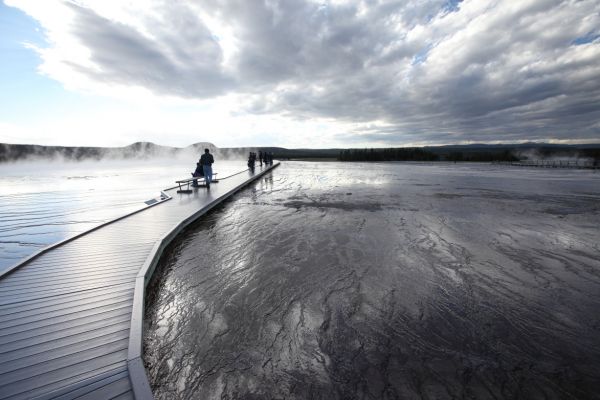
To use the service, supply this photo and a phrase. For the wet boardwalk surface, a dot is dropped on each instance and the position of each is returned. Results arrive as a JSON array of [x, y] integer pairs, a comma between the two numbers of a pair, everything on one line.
[[66, 316]]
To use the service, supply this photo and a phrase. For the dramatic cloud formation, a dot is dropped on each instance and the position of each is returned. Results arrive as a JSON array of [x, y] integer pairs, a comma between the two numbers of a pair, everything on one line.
[[387, 72]]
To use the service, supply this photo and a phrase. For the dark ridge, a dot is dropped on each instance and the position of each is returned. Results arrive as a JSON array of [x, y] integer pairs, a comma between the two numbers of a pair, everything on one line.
[[392, 154], [470, 152], [282, 153], [476, 153], [138, 150]]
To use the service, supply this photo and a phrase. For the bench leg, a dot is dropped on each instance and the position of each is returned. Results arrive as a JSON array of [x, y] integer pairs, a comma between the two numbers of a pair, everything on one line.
[[187, 189]]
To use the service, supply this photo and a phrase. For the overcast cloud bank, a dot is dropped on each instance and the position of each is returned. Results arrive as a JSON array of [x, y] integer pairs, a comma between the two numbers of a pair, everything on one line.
[[394, 72]]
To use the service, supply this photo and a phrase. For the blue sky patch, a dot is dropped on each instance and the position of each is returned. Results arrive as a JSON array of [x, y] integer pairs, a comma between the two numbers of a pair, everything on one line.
[[421, 56], [589, 38], [452, 5]]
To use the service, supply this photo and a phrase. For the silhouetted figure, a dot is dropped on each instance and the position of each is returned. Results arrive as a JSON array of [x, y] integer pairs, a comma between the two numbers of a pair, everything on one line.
[[251, 160], [207, 161], [197, 174], [260, 157]]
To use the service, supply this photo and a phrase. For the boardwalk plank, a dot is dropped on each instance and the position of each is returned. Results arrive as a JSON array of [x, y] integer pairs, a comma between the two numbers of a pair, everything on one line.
[[71, 278], [69, 361], [83, 301], [44, 264], [40, 304], [124, 396], [43, 261], [32, 346], [32, 338], [109, 391], [62, 378], [86, 385], [57, 353], [69, 286], [76, 249], [59, 292], [54, 277], [51, 325], [79, 306]]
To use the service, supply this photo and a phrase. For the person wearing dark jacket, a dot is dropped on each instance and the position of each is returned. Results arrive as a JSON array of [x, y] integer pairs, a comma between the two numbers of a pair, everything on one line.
[[207, 161], [197, 173]]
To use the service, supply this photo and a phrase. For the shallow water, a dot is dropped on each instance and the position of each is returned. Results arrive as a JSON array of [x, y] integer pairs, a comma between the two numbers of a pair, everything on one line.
[[385, 281], [42, 203]]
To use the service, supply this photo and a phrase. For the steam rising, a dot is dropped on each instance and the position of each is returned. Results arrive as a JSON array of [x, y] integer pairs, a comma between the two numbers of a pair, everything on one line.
[[135, 151]]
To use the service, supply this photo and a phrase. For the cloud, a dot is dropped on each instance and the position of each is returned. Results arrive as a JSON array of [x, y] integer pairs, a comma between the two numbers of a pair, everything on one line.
[[386, 72]]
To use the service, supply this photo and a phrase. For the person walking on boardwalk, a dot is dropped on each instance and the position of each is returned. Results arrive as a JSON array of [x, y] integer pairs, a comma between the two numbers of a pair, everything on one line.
[[260, 157], [207, 161]]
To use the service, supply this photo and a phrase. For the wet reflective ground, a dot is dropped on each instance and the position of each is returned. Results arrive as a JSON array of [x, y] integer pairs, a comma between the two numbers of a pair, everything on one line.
[[43, 202], [385, 281]]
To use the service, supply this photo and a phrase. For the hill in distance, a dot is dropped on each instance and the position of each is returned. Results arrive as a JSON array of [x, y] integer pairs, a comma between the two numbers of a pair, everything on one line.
[[138, 150], [148, 150]]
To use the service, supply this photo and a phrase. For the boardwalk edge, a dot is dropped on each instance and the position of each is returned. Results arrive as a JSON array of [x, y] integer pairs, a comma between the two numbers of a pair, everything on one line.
[[164, 197], [135, 364]]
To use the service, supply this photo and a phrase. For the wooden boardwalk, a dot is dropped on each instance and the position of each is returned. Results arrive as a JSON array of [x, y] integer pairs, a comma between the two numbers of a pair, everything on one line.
[[71, 317]]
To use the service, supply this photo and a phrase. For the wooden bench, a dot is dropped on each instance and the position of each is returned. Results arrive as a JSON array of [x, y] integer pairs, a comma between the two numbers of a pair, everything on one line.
[[188, 182]]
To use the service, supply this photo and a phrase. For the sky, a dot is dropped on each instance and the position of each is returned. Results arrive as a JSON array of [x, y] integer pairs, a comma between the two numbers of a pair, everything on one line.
[[299, 73]]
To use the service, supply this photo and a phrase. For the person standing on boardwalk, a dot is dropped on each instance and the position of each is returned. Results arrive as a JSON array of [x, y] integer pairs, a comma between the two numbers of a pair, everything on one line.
[[207, 161]]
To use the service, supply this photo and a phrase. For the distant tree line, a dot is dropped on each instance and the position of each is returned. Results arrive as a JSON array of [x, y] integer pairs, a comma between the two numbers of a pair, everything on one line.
[[483, 156], [591, 153], [420, 154], [391, 154]]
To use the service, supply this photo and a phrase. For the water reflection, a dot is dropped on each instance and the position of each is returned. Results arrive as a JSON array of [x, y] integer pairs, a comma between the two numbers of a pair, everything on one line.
[[334, 280]]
